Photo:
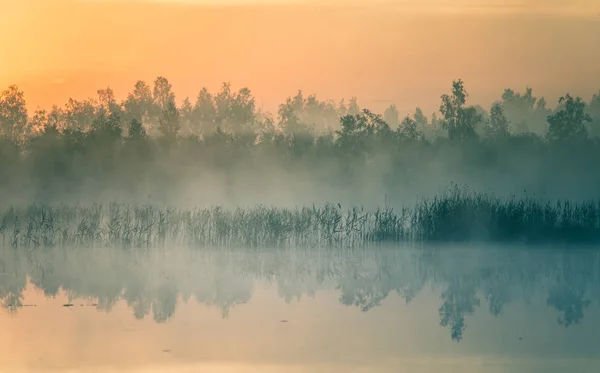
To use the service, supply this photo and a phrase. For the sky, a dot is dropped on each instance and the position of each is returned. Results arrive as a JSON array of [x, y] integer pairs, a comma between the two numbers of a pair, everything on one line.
[[383, 51]]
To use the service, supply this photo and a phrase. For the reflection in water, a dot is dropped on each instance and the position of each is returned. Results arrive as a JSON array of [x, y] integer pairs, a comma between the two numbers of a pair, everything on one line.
[[154, 282]]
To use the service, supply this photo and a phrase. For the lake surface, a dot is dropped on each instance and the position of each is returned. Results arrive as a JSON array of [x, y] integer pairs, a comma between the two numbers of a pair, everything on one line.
[[433, 309]]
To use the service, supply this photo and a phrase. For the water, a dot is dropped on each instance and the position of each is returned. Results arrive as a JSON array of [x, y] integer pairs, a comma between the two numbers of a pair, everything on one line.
[[492, 309]]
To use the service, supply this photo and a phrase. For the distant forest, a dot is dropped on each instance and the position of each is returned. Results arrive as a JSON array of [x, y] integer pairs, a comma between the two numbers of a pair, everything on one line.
[[221, 144]]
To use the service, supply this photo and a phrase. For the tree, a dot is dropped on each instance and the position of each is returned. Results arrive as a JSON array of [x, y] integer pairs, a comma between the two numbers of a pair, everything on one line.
[[139, 103], [301, 114], [497, 125], [242, 113], [79, 115], [108, 102], [136, 131], [353, 108], [423, 123], [361, 131], [289, 115], [162, 93], [437, 126], [222, 104], [593, 109], [483, 119], [137, 151], [321, 115], [38, 123], [526, 112], [420, 118], [13, 113], [459, 120], [390, 115], [235, 112], [169, 121], [205, 113], [342, 109], [106, 127], [408, 130], [569, 123], [186, 111]]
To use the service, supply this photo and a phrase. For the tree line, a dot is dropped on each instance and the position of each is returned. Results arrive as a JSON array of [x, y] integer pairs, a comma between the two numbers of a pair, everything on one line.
[[149, 137]]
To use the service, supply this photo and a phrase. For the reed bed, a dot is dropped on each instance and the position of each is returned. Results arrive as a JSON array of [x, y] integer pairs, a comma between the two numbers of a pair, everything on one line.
[[455, 216]]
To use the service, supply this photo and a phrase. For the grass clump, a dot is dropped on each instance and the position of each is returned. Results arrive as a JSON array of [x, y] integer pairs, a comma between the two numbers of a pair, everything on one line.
[[455, 216]]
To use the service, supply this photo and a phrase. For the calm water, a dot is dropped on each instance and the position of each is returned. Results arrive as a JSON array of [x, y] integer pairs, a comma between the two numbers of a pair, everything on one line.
[[445, 309]]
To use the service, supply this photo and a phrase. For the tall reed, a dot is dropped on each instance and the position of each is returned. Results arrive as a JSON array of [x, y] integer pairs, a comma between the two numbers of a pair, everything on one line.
[[455, 216]]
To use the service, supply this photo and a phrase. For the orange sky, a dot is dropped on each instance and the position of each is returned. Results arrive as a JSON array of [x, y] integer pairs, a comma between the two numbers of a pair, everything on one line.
[[392, 51]]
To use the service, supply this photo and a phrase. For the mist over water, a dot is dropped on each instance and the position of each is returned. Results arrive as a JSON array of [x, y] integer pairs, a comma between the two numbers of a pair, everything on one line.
[[510, 308], [145, 235], [142, 230]]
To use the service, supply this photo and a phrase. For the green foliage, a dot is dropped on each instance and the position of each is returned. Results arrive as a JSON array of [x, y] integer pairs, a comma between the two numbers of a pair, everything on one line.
[[459, 120], [300, 114], [408, 130], [169, 125], [498, 124], [569, 123], [139, 103], [526, 112], [103, 145], [360, 132], [593, 109], [162, 94], [391, 117], [13, 113], [136, 131]]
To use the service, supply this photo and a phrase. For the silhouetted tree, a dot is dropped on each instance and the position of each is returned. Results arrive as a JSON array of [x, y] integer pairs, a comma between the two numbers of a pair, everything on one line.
[[390, 115], [162, 94], [77, 146], [459, 120], [593, 109], [169, 124], [497, 125], [360, 132], [437, 127], [77, 115], [422, 122], [408, 130], [353, 108], [569, 123], [136, 131], [13, 113], [205, 113], [139, 104], [420, 118], [526, 112], [300, 114], [289, 119], [108, 103]]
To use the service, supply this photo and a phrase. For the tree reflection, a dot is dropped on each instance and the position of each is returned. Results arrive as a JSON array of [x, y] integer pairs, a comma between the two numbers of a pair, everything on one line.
[[459, 300], [154, 282]]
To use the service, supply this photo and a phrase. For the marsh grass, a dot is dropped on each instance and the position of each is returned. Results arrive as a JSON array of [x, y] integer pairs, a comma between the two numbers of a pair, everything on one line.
[[457, 215]]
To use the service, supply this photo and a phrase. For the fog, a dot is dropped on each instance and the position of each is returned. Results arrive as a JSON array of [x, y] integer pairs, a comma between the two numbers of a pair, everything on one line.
[[220, 149], [510, 308], [400, 186]]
